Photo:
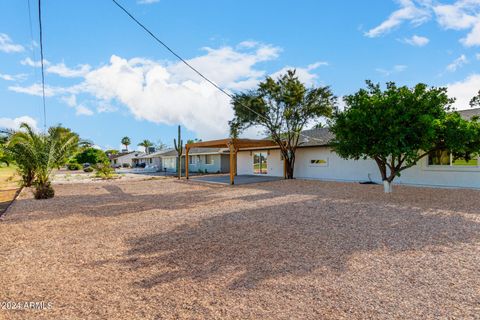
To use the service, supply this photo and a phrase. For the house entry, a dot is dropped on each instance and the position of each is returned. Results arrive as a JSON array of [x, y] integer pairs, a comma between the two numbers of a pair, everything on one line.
[[260, 163]]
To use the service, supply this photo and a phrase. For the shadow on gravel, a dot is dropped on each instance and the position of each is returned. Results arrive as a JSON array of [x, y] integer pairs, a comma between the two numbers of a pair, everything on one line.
[[249, 246], [113, 203]]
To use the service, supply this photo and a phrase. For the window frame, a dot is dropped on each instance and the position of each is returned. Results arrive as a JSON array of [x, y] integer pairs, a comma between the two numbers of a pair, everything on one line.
[[211, 162]]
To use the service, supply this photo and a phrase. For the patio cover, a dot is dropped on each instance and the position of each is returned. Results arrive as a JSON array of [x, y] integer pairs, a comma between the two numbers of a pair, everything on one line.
[[233, 145]]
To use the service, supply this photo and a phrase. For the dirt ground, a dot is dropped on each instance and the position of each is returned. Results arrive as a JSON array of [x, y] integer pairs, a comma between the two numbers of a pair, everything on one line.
[[168, 249]]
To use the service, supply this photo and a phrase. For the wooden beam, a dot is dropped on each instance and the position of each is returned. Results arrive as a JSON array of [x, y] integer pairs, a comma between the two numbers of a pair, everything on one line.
[[232, 161], [186, 161]]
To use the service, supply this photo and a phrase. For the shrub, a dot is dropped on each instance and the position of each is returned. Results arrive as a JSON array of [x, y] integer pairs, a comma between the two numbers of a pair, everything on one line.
[[74, 166], [43, 191], [104, 171], [125, 165], [88, 169]]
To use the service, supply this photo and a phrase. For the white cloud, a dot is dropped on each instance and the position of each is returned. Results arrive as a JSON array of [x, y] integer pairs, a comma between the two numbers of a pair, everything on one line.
[[147, 1], [417, 41], [50, 91], [81, 110], [408, 12], [71, 100], [456, 15], [14, 123], [395, 69], [169, 92], [36, 64], [457, 63], [464, 91], [13, 77], [305, 75], [63, 71], [7, 45]]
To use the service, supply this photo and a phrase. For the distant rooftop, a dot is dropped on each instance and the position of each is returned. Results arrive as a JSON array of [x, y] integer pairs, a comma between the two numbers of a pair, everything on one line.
[[469, 113]]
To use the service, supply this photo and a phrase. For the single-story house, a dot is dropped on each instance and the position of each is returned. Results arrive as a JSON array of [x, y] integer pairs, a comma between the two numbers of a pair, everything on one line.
[[124, 158], [151, 160], [205, 160], [315, 159]]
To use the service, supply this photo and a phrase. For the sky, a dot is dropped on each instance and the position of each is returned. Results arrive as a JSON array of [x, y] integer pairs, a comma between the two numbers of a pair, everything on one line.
[[106, 78]]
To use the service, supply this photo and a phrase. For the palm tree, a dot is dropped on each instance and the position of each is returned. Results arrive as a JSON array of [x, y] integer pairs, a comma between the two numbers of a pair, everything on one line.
[[146, 144], [36, 155], [126, 142]]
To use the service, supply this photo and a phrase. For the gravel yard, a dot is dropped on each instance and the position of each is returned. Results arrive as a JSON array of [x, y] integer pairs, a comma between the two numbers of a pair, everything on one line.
[[163, 248]]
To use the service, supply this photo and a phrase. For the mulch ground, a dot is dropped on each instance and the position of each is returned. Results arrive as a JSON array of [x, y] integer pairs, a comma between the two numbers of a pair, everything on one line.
[[168, 249]]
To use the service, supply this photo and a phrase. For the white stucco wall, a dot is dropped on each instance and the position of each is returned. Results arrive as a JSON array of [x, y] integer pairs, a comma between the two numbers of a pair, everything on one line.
[[338, 169], [274, 162]]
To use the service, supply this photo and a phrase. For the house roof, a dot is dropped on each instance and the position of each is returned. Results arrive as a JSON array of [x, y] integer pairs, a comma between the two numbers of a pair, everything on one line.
[[121, 154], [315, 137], [469, 113], [155, 154], [197, 151]]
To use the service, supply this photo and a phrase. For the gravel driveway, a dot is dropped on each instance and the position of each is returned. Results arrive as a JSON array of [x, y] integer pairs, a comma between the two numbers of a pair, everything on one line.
[[171, 249]]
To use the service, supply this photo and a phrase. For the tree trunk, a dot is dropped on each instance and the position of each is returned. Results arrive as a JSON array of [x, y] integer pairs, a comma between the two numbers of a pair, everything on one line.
[[387, 186], [289, 168]]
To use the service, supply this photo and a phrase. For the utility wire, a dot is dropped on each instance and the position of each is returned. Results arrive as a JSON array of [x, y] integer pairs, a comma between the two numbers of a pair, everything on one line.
[[190, 66], [41, 62], [30, 23]]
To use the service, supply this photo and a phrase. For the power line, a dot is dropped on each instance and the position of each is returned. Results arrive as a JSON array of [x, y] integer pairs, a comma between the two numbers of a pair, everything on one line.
[[41, 62], [31, 37], [190, 66]]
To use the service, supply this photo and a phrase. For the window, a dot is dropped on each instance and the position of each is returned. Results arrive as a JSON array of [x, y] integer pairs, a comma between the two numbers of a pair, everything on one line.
[[260, 163], [445, 158], [319, 162], [208, 159], [190, 160], [151, 160]]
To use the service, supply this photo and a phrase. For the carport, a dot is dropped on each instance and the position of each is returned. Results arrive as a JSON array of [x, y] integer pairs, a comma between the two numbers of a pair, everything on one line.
[[233, 145]]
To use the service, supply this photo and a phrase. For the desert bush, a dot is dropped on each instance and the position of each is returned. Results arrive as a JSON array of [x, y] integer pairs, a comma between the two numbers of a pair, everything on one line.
[[104, 171], [74, 166], [88, 169], [125, 165]]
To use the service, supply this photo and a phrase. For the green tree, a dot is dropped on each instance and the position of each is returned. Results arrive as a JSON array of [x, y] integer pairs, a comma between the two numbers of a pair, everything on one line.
[[146, 144], [193, 140], [282, 107], [37, 154], [126, 142], [399, 126], [92, 156]]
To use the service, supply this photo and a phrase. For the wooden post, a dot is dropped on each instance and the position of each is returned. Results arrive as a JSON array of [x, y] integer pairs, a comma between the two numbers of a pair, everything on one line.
[[186, 161], [236, 160], [232, 162]]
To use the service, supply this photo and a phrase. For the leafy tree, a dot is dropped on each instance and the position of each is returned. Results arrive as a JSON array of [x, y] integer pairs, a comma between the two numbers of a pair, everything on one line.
[[399, 126], [111, 152], [193, 140], [126, 142], [160, 146], [146, 144], [92, 156], [4, 157], [37, 154], [282, 107]]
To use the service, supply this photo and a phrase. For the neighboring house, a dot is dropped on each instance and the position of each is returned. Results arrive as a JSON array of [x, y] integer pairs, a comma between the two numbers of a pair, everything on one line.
[[315, 159], [206, 160], [124, 158], [152, 160]]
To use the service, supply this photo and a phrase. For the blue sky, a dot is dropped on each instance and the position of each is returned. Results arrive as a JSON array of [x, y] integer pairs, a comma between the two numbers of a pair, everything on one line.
[[106, 78]]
